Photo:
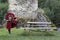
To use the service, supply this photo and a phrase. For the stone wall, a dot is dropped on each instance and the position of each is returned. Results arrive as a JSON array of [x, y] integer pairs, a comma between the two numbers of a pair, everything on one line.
[[24, 8]]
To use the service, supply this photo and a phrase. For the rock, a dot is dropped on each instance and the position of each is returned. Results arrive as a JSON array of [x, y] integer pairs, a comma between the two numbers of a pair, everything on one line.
[[27, 9], [24, 8]]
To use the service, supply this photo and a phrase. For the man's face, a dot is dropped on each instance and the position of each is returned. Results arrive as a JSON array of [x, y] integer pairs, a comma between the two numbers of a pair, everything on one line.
[[10, 18]]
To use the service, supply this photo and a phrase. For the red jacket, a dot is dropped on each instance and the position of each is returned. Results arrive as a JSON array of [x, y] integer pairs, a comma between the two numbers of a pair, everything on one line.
[[8, 25], [11, 24], [14, 21]]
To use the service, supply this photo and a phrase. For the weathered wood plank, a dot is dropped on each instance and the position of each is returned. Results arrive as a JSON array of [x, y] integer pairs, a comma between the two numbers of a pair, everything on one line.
[[40, 25], [39, 22], [39, 28]]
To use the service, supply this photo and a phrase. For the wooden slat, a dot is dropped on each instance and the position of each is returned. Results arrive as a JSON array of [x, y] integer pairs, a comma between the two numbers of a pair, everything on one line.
[[41, 25], [46, 25], [39, 22], [40, 28]]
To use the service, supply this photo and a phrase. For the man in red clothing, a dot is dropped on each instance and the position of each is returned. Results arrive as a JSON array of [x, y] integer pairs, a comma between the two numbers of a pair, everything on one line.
[[9, 17]]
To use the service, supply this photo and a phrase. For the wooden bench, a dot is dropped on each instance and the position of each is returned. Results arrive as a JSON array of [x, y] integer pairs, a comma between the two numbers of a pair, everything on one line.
[[39, 25]]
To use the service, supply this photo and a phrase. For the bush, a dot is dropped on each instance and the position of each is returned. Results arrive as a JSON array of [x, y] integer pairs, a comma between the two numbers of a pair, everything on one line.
[[3, 6], [3, 10]]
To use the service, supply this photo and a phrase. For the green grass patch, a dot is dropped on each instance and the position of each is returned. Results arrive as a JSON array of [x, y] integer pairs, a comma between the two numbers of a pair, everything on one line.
[[19, 34]]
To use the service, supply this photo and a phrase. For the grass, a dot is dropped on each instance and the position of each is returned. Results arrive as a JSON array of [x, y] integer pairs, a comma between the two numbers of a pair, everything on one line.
[[19, 34]]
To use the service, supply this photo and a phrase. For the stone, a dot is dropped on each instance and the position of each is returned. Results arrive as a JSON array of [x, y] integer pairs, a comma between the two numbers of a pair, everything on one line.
[[24, 8], [27, 9]]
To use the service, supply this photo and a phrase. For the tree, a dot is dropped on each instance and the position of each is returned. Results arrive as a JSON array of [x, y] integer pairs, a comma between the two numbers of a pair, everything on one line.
[[52, 9], [3, 10]]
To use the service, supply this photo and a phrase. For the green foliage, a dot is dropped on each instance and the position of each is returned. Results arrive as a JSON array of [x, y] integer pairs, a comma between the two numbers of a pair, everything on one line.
[[3, 1], [21, 20], [52, 9], [3, 5], [3, 10]]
